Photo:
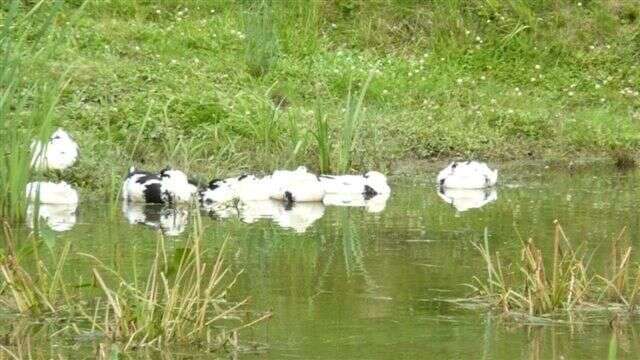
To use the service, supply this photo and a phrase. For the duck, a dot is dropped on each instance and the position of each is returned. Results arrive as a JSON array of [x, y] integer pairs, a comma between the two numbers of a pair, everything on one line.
[[467, 175], [467, 199], [253, 188], [142, 186], [296, 186], [218, 191], [46, 192], [60, 152], [368, 185], [58, 217], [176, 187]]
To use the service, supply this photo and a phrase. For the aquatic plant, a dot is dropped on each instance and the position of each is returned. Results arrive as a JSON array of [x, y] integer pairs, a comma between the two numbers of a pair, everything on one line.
[[543, 285], [181, 300]]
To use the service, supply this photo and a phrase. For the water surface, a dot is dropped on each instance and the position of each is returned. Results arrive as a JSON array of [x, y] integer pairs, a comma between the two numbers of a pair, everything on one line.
[[346, 282]]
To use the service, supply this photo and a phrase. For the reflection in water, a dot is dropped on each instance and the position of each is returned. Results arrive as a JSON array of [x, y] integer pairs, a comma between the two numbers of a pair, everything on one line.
[[465, 199], [220, 210], [172, 221], [361, 286], [252, 211], [375, 204], [300, 216], [59, 217]]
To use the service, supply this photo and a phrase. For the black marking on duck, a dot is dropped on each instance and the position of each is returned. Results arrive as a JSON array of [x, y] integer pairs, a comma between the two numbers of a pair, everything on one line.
[[214, 184], [147, 177], [241, 177], [288, 198], [138, 172], [152, 194], [369, 192], [442, 182], [163, 172]]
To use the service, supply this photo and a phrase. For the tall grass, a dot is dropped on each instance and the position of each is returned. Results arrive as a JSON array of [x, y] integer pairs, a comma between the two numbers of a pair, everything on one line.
[[321, 135], [351, 122], [261, 46], [26, 108], [181, 300], [563, 281]]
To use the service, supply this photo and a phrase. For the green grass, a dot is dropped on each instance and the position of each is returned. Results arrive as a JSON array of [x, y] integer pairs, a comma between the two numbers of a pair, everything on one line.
[[26, 105], [232, 86]]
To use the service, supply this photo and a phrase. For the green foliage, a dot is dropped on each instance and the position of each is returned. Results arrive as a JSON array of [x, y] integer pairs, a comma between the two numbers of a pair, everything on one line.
[[228, 86], [27, 106]]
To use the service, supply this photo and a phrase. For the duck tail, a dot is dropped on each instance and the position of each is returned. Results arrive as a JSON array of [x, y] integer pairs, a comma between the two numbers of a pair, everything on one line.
[[494, 177]]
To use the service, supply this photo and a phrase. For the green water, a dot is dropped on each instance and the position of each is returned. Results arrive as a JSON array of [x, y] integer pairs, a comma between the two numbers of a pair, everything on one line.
[[366, 285]]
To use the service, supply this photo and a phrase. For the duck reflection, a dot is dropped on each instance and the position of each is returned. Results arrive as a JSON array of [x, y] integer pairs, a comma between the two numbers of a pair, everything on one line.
[[299, 216], [171, 221], [58, 217], [466, 199], [252, 211], [221, 210], [373, 204]]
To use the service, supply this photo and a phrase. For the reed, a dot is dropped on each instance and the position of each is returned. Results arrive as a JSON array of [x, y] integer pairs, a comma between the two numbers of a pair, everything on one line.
[[26, 108], [321, 135], [181, 300], [543, 285], [350, 125]]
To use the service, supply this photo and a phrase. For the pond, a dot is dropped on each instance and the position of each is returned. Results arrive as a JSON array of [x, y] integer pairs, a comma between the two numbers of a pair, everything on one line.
[[372, 282]]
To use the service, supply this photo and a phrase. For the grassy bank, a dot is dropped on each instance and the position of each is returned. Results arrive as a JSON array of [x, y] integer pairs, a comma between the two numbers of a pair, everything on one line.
[[224, 86]]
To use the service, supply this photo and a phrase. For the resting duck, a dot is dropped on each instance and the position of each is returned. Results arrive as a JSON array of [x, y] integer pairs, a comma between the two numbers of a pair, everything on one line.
[[51, 193], [369, 185], [466, 199], [244, 188], [60, 152], [176, 187], [142, 187], [296, 186], [169, 186], [467, 175], [217, 192]]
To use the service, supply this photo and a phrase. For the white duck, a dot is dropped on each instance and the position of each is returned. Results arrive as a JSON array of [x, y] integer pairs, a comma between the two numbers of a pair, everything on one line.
[[59, 217], [59, 153], [176, 187], [466, 199], [467, 175], [218, 192], [51, 193], [253, 188], [370, 184], [142, 187], [296, 186]]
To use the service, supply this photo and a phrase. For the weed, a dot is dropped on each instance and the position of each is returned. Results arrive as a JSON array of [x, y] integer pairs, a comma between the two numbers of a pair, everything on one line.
[[568, 285]]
